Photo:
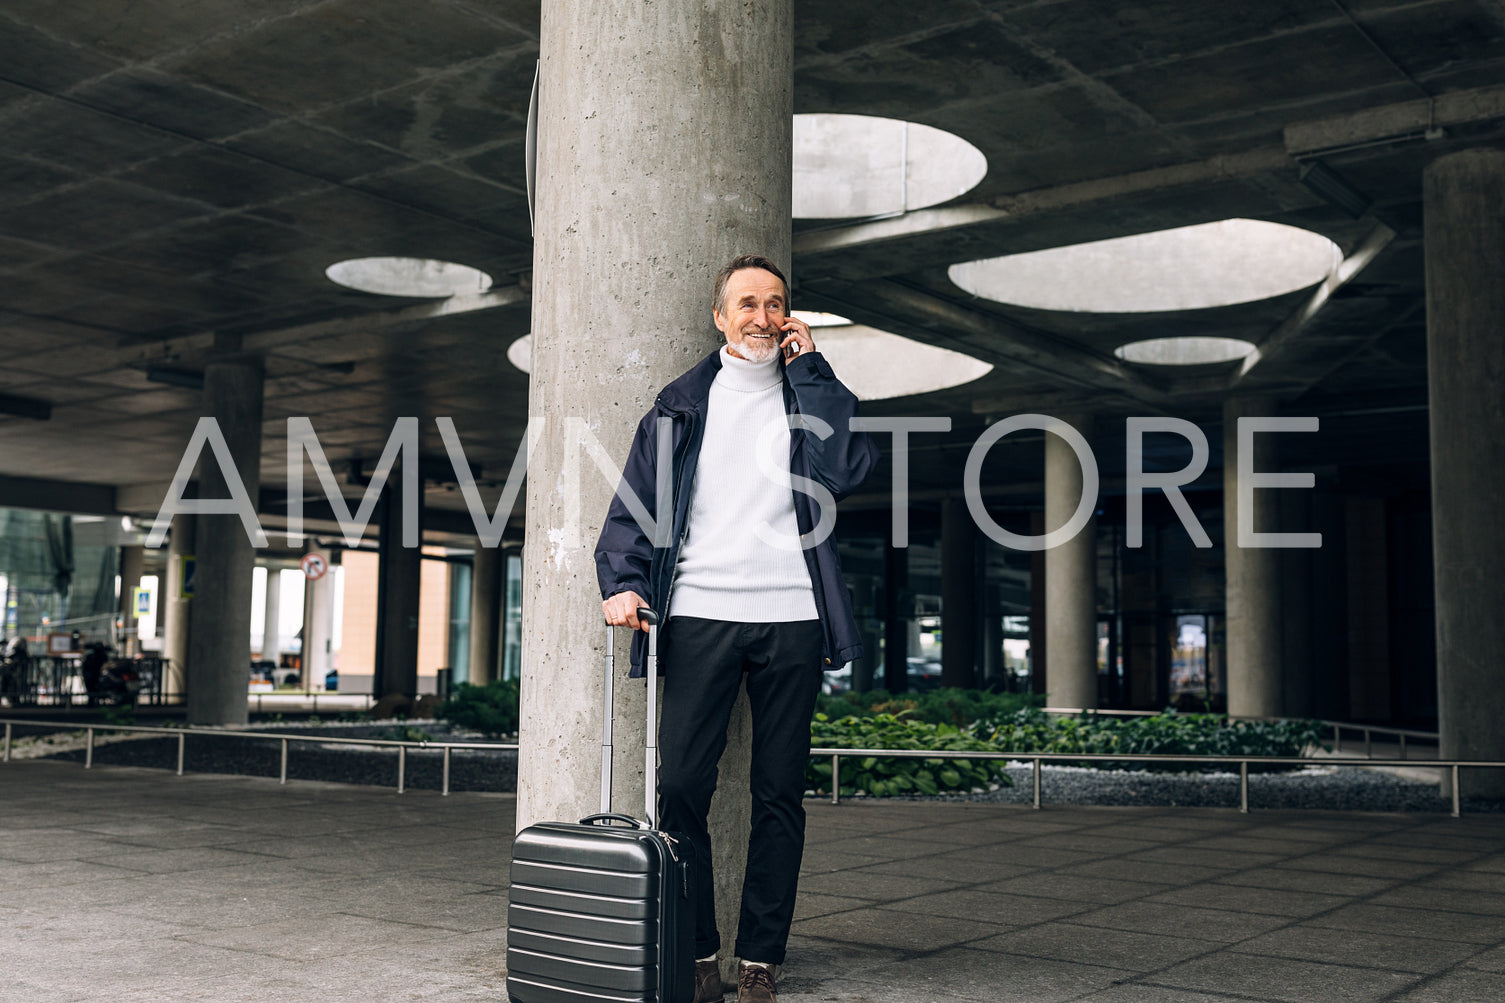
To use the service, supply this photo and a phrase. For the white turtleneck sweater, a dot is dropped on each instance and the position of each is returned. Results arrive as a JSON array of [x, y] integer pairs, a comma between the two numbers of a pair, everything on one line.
[[727, 569]]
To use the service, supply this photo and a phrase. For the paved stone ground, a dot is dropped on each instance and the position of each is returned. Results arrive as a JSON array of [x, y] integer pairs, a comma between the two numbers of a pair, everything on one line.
[[125, 884]]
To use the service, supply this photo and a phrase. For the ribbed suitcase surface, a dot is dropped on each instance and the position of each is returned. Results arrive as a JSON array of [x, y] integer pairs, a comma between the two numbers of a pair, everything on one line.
[[598, 913], [601, 912]]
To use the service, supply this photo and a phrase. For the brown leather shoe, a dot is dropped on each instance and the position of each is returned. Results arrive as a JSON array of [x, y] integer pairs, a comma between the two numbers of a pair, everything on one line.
[[755, 985], [708, 982]]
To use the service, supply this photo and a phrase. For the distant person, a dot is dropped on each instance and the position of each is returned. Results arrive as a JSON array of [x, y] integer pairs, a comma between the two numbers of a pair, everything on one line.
[[93, 668], [742, 592]]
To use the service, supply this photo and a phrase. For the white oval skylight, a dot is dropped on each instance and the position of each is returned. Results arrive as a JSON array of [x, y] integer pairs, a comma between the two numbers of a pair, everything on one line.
[[409, 277], [1188, 268], [520, 353], [873, 364], [848, 166], [817, 319], [1193, 351]]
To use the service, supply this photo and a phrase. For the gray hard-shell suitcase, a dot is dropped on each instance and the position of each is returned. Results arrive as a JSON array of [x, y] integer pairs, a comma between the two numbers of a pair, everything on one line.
[[602, 911]]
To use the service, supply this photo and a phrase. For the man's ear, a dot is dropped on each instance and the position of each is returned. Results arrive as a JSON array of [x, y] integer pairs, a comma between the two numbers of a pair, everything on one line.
[[718, 320]]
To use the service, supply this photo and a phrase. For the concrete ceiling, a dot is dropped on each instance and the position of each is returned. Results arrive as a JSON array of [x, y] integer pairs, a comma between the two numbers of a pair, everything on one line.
[[175, 177]]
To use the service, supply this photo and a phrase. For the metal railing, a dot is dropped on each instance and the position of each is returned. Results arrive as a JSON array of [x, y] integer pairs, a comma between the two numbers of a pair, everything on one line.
[[311, 696], [58, 680], [1370, 730], [285, 740], [836, 755], [1039, 758]]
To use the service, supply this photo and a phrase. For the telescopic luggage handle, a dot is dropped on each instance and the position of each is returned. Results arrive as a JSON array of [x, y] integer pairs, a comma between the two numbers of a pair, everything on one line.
[[650, 772]]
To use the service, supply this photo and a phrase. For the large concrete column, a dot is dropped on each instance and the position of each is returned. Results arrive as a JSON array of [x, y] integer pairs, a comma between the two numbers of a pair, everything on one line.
[[1252, 586], [399, 572], [664, 146], [318, 623], [1038, 657], [1295, 569], [1070, 579], [486, 589], [1465, 255], [896, 623], [990, 668], [132, 561], [271, 644], [219, 638], [177, 608], [959, 596]]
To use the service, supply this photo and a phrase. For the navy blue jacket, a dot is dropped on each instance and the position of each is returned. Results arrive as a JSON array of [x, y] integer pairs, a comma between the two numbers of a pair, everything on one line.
[[627, 561]]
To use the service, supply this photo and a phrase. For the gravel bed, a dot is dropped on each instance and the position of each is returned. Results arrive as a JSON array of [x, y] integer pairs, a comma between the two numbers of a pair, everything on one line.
[[1320, 787], [1323, 787]]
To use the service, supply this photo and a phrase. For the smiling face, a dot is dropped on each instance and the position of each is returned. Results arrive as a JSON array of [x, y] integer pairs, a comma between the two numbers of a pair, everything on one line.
[[752, 313]]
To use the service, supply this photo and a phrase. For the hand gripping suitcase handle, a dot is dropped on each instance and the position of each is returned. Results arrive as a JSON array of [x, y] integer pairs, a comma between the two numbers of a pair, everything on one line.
[[650, 775]]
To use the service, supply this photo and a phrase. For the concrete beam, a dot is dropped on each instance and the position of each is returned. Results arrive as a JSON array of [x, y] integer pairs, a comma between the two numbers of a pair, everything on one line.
[[1407, 120], [1015, 208], [1404, 121], [888, 305], [1278, 340], [149, 351], [57, 496]]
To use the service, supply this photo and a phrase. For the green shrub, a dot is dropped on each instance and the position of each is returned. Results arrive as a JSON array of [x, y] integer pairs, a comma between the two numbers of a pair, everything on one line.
[[943, 706], [1168, 733], [491, 709], [123, 714], [887, 777]]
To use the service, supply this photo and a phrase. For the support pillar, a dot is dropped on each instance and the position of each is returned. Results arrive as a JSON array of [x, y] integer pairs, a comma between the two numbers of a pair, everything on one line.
[[896, 625], [398, 584], [1465, 257], [219, 641], [271, 643], [1037, 653], [1295, 568], [132, 562], [318, 623], [485, 614], [1070, 580], [958, 595], [177, 608], [665, 138], [1252, 585], [991, 670]]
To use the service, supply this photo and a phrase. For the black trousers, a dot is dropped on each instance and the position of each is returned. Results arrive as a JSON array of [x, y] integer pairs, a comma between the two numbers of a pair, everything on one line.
[[704, 662]]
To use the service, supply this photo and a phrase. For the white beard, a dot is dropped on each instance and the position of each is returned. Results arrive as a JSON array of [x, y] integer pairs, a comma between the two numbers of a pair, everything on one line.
[[758, 350]]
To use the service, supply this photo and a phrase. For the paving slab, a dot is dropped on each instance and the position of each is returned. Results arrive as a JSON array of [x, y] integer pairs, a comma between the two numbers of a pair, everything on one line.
[[1379, 950], [988, 977], [1287, 979], [1126, 949], [231, 889], [1455, 987], [1252, 899]]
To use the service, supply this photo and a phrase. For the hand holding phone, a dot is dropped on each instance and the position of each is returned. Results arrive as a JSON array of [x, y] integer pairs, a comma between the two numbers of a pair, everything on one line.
[[798, 340]]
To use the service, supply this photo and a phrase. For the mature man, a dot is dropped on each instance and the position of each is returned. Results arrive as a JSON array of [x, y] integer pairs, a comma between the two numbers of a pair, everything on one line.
[[748, 584]]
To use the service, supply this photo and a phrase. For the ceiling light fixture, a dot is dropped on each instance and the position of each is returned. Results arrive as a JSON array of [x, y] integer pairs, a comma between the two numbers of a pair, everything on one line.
[[816, 318], [425, 278], [1192, 351], [856, 166], [875, 365], [1187, 268]]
